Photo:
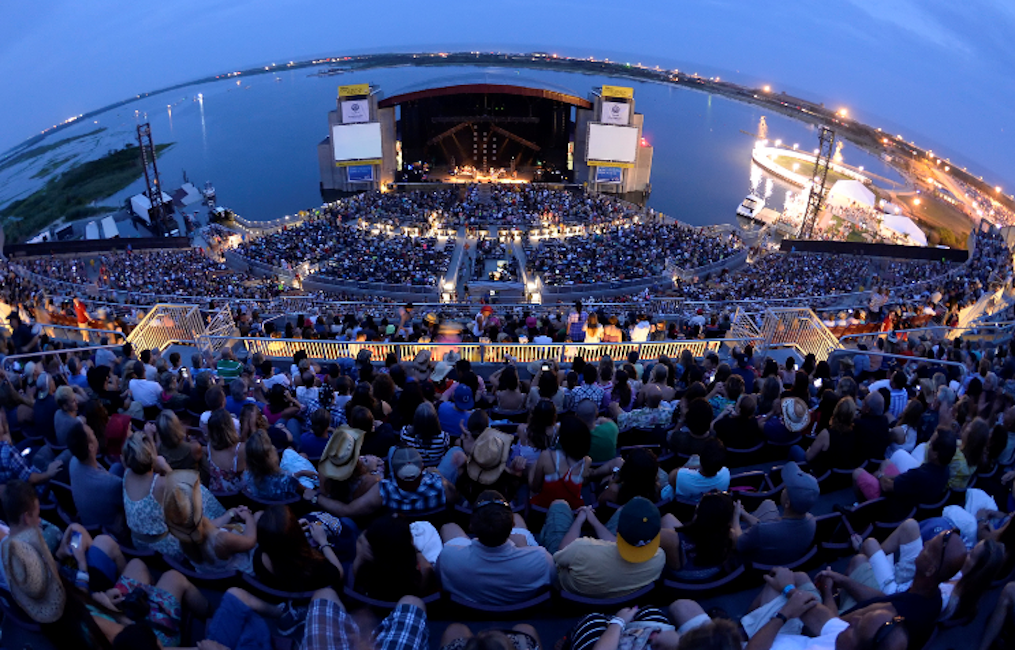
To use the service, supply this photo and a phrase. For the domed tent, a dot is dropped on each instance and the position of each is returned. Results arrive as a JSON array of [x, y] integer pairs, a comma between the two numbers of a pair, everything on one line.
[[847, 193]]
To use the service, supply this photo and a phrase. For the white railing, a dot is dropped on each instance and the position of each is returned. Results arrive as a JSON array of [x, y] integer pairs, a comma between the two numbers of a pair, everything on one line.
[[168, 324], [799, 329], [8, 362], [327, 350]]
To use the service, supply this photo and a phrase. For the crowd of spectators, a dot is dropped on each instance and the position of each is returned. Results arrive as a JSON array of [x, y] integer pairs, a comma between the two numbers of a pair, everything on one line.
[[343, 475], [532, 206], [625, 251]]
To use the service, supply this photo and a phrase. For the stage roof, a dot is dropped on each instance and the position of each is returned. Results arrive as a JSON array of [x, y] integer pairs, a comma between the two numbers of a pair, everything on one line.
[[481, 88]]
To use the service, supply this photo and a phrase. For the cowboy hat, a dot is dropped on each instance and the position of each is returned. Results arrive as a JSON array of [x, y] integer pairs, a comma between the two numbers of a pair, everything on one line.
[[339, 458], [489, 456], [440, 371], [795, 415], [181, 505], [32, 576]]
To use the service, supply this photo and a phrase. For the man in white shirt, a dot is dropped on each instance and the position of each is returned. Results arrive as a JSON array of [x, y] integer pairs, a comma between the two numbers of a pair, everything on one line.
[[639, 333], [144, 391]]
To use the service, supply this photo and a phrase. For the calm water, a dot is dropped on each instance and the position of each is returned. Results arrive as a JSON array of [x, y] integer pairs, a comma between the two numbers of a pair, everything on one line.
[[256, 140]]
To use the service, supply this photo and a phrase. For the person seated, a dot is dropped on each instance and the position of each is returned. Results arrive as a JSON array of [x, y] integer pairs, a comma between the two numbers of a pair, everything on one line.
[[655, 413], [226, 454], [313, 442], [910, 484], [100, 557], [909, 587], [789, 614], [487, 467], [265, 478], [97, 493], [455, 412], [538, 433], [426, 435], [411, 490], [607, 566], [13, 465], [345, 474], [788, 423], [768, 538], [284, 558], [224, 544], [1002, 612], [637, 475], [737, 427], [690, 438], [503, 565], [703, 547], [702, 473], [171, 397], [604, 431], [665, 630], [388, 565], [329, 627], [872, 431], [907, 429], [835, 446], [178, 450], [560, 473]]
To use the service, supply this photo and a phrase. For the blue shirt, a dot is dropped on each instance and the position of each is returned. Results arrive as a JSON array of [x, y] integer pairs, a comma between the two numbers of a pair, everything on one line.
[[499, 575], [311, 445], [451, 418]]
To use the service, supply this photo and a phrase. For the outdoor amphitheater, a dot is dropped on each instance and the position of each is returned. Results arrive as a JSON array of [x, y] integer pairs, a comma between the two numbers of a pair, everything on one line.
[[489, 395]]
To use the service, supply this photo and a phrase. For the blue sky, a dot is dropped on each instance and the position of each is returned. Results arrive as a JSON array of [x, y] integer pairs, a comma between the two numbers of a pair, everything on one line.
[[937, 71]]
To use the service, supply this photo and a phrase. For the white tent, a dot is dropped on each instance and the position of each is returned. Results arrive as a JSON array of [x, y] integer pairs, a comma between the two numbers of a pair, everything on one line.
[[904, 226], [849, 192], [109, 229], [92, 230]]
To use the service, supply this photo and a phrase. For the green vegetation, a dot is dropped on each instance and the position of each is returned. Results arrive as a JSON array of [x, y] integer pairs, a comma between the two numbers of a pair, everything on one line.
[[52, 166], [855, 236], [943, 222], [71, 194], [30, 154], [807, 169]]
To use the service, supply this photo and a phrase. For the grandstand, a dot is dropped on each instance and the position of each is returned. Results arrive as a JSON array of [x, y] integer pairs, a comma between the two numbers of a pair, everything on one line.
[[842, 365]]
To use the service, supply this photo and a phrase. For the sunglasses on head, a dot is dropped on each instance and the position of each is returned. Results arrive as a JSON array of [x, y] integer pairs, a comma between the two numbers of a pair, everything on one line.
[[490, 502], [946, 537]]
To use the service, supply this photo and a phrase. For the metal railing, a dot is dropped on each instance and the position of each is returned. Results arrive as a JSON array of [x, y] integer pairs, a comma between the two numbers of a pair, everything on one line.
[[222, 328], [328, 350], [838, 354], [73, 333], [8, 362], [943, 332], [168, 324], [799, 329]]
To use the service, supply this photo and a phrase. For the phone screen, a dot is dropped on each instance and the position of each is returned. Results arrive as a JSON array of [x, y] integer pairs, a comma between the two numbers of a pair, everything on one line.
[[75, 540]]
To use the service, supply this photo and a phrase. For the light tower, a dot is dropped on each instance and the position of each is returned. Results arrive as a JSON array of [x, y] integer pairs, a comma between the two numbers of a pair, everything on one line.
[[822, 161], [151, 176]]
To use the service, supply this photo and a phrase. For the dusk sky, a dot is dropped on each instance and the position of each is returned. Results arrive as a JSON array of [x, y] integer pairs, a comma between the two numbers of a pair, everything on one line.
[[939, 72]]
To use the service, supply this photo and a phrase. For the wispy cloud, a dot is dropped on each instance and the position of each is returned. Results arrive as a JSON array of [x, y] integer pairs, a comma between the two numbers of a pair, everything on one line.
[[916, 18]]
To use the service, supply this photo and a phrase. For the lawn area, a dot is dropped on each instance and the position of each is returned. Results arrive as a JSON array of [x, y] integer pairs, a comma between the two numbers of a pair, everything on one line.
[[72, 194], [807, 169], [942, 221]]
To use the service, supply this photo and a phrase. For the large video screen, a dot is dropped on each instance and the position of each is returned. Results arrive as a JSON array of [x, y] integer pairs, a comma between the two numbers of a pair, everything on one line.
[[612, 143], [356, 141]]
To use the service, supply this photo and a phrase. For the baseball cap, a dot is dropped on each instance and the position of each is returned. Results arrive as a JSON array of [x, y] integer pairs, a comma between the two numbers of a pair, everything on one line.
[[463, 397], [801, 487], [638, 530], [406, 463]]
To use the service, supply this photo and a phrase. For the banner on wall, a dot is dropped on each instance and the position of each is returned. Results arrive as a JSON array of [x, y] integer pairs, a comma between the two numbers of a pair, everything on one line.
[[621, 92], [354, 90], [616, 113], [609, 174], [355, 111], [360, 173]]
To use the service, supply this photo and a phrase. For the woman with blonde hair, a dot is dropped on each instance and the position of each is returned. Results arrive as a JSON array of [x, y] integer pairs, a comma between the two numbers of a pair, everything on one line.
[[211, 545], [835, 446], [175, 446], [226, 453]]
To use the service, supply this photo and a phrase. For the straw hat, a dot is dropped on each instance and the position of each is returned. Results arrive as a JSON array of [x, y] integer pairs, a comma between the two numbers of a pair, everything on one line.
[[489, 456], [181, 505], [441, 371], [32, 576], [795, 415], [339, 458]]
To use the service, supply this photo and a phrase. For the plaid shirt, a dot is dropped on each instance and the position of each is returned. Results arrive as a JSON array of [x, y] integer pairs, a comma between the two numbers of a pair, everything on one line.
[[589, 391], [12, 464], [328, 627], [403, 629], [575, 322], [428, 496]]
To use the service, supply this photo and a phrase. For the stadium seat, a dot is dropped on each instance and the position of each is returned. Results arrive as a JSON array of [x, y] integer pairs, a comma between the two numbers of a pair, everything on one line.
[[520, 416], [740, 457], [469, 609], [808, 561], [682, 588], [587, 603], [752, 488], [933, 508], [16, 615], [366, 601], [832, 535], [129, 550], [218, 580], [269, 593]]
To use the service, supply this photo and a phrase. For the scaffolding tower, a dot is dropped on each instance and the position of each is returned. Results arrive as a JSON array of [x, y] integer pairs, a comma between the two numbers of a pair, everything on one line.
[[823, 160], [157, 214]]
